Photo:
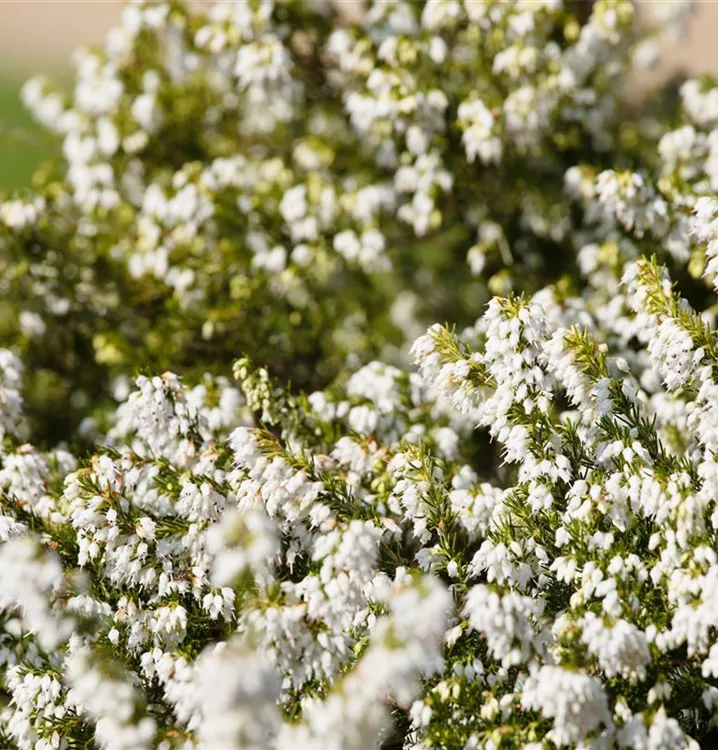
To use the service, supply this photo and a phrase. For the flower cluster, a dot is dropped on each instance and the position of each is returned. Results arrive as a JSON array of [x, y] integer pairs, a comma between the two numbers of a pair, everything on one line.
[[336, 526], [225, 175]]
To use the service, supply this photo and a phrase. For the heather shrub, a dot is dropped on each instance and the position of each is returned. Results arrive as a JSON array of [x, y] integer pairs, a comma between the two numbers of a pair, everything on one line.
[[360, 386], [269, 179]]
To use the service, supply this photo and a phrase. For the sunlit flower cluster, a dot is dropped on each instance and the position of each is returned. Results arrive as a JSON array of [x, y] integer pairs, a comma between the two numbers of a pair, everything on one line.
[[225, 174], [255, 493]]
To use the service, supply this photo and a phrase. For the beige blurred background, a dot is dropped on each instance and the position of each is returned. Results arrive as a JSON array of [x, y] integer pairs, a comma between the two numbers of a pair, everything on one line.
[[39, 35]]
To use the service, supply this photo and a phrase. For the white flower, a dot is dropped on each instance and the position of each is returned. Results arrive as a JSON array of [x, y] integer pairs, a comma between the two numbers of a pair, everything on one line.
[[574, 701]]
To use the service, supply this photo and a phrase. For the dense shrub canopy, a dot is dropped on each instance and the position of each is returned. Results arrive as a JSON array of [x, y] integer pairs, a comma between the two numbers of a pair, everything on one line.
[[360, 386], [269, 180]]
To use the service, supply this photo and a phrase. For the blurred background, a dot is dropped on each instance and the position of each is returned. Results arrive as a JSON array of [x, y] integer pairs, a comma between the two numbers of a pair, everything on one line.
[[38, 37]]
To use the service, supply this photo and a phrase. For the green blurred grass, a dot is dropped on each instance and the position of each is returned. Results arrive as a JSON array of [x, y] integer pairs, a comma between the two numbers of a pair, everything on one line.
[[21, 149]]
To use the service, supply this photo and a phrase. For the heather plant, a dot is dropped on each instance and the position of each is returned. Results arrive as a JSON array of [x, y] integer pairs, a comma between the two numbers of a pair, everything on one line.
[[275, 180], [256, 493]]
